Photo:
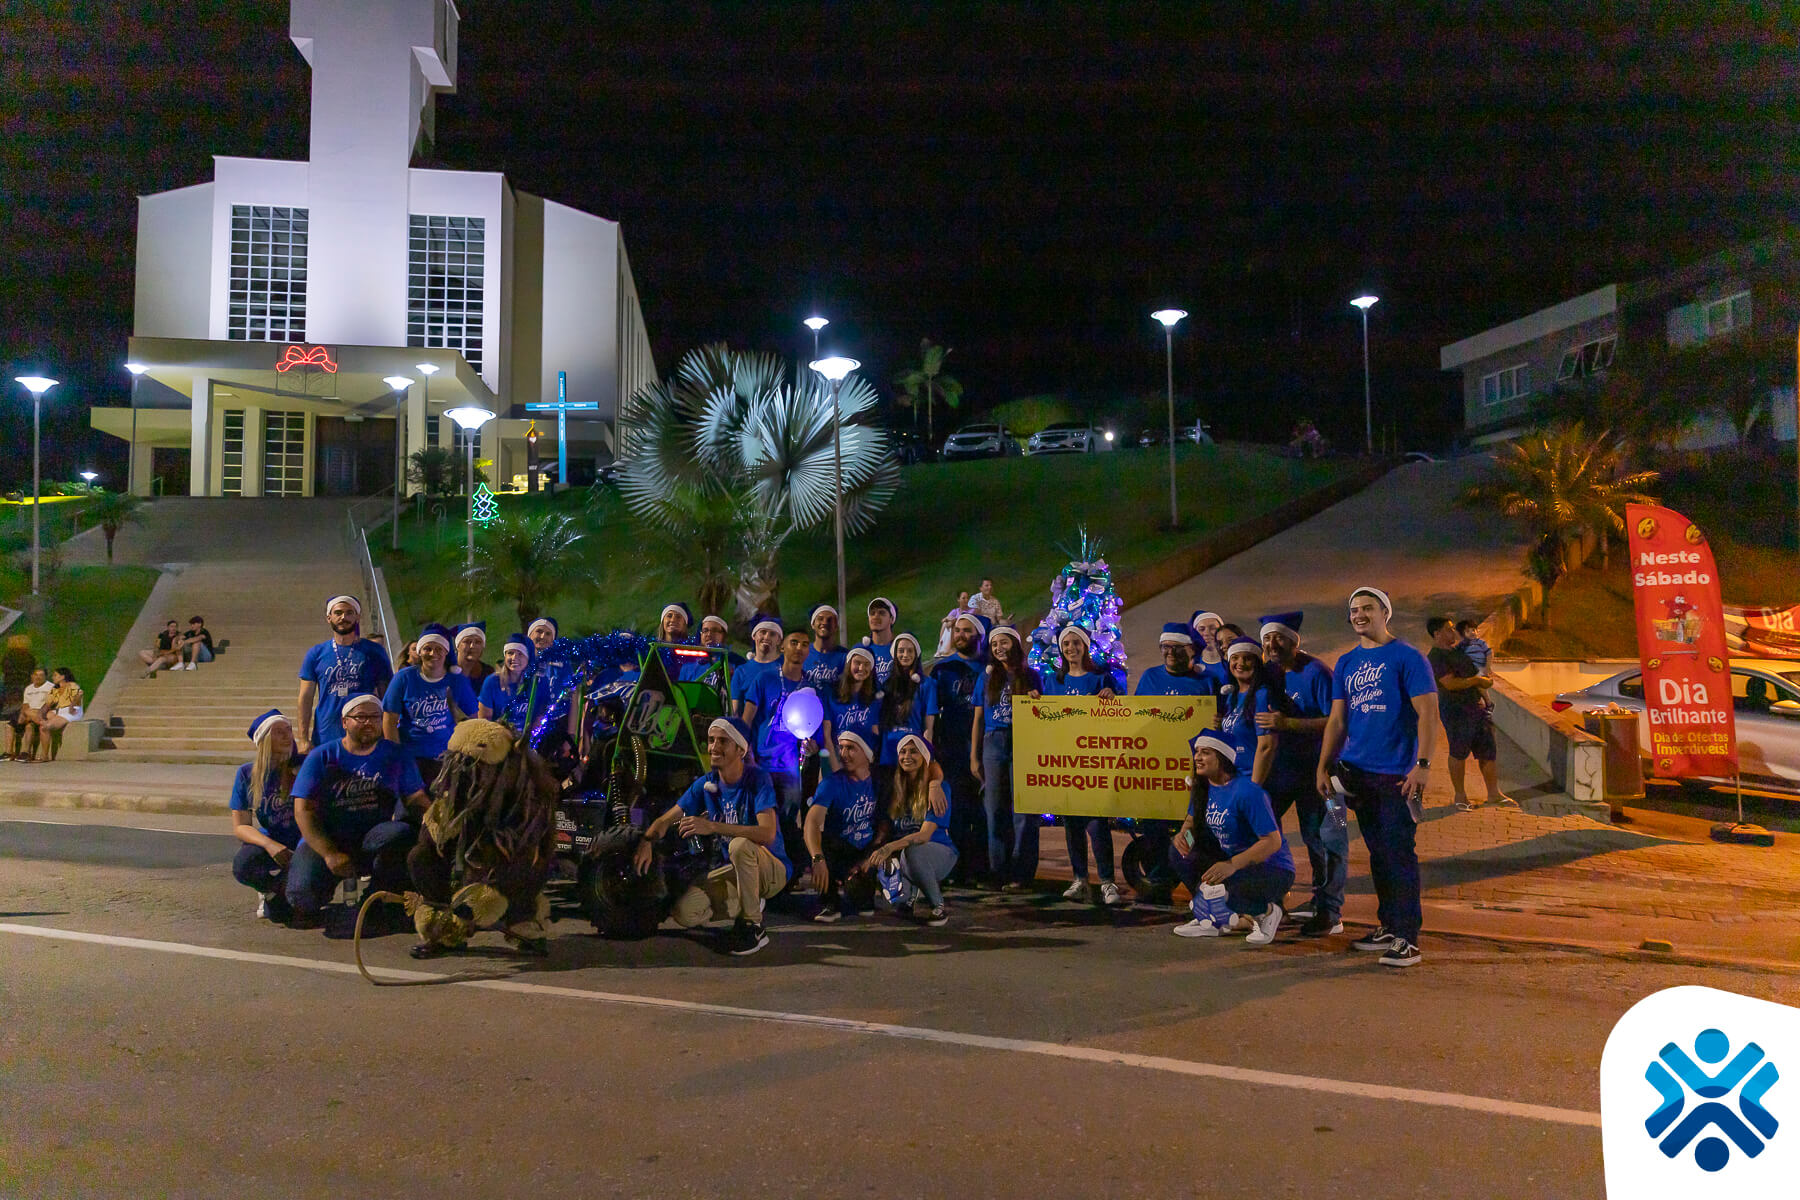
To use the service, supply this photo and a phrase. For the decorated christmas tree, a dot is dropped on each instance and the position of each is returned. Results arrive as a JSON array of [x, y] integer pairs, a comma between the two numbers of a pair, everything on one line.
[[1083, 595], [487, 507]]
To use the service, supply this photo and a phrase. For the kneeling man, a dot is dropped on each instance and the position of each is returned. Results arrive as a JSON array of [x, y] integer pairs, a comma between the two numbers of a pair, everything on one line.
[[735, 801]]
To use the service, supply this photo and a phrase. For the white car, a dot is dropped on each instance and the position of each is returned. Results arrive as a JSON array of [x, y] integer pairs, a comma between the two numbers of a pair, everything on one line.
[[1765, 699], [1067, 437], [980, 441]]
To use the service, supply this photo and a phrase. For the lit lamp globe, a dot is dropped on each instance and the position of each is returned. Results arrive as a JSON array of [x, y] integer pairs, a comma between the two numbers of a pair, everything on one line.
[[815, 323], [469, 417], [1366, 302], [426, 369], [398, 382], [836, 368], [88, 477], [37, 385], [802, 712], [1168, 316]]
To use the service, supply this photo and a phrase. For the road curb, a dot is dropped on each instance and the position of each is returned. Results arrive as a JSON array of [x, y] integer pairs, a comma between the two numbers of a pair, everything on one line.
[[1620, 951], [116, 801]]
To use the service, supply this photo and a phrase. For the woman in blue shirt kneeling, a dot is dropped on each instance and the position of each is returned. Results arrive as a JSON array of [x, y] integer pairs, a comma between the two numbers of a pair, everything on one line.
[[1230, 838], [262, 814], [919, 850]]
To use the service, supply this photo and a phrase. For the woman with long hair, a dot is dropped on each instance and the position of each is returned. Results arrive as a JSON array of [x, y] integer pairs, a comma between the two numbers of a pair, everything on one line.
[[909, 703], [262, 814], [424, 703], [917, 851], [1077, 674], [508, 694], [1255, 687], [1012, 838], [64, 705], [1230, 839], [856, 705]]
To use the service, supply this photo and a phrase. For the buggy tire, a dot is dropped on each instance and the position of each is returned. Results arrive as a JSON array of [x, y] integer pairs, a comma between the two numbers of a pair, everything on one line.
[[1146, 867]]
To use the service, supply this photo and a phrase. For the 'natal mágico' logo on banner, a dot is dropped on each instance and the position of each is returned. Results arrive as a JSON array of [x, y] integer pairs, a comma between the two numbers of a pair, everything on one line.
[[1075, 756], [1681, 643]]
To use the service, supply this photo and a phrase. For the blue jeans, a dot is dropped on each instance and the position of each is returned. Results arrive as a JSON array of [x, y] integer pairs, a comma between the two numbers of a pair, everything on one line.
[[927, 865], [1249, 891], [1012, 838], [380, 854], [790, 810], [1391, 834], [1327, 850], [1098, 831], [256, 868]]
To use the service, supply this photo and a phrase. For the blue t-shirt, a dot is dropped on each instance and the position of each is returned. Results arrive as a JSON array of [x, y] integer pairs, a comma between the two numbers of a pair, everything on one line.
[[1090, 684], [745, 675], [274, 811], [776, 748], [905, 824], [849, 806], [353, 793], [924, 704], [823, 669], [424, 709], [509, 704], [342, 672], [1218, 673], [735, 804], [1237, 724], [884, 662], [860, 716], [995, 714], [1378, 687], [1240, 815], [1297, 754], [1156, 681]]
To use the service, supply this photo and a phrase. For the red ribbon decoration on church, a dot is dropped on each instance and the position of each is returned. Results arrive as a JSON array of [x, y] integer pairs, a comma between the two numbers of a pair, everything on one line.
[[306, 356]]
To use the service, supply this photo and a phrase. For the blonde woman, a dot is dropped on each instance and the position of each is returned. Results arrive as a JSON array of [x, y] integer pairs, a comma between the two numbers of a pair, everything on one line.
[[918, 852], [262, 814]]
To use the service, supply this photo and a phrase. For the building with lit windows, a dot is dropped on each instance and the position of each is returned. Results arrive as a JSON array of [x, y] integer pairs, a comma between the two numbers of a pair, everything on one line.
[[300, 324]]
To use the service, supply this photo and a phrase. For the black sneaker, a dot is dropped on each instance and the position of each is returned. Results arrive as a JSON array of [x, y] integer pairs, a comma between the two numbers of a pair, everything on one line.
[[1376, 939], [747, 937], [1321, 924], [937, 918], [1401, 953]]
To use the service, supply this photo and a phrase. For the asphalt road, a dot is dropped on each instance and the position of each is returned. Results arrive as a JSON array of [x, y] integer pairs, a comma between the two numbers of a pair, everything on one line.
[[167, 1044]]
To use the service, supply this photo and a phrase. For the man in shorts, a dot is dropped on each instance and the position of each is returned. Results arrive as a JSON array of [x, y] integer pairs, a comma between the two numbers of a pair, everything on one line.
[[1468, 718]]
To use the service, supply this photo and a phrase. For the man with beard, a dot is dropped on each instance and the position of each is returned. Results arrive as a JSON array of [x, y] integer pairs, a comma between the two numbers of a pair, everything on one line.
[[957, 675], [344, 799], [1176, 676], [344, 665]]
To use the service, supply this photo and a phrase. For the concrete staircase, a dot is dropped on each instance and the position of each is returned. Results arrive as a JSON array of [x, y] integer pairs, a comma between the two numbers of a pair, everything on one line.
[[265, 571]]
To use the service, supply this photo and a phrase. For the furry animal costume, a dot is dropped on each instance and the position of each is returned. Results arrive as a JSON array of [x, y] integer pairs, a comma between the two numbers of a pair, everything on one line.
[[492, 821]]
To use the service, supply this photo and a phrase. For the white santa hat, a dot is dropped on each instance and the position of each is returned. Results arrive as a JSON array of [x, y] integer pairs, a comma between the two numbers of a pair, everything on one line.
[[1387, 606]]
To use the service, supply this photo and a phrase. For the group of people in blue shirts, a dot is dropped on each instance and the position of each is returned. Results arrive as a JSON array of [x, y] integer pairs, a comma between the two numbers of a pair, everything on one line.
[[861, 746]]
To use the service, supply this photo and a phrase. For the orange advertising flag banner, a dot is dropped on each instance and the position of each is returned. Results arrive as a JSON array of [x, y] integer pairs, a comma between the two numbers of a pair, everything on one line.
[[1074, 756], [1681, 644]]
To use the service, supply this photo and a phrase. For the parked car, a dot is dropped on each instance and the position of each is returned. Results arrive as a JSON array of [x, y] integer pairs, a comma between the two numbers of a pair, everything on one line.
[[1147, 438], [910, 448], [1765, 698], [1198, 433], [1068, 437], [980, 441]]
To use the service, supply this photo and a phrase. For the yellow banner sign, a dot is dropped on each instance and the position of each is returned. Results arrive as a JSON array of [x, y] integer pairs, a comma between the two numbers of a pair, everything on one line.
[[1074, 756]]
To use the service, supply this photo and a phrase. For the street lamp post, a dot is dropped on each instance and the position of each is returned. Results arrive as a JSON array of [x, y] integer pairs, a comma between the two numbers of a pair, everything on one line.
[[1169, 317], [37, 385], [470, 418], [815, 323], [400, 384], [835, 369], [1364, 304], [88, 477], [137, 370]]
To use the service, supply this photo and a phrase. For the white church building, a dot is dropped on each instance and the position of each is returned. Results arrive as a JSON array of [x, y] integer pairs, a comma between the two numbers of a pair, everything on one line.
[[294, 319]]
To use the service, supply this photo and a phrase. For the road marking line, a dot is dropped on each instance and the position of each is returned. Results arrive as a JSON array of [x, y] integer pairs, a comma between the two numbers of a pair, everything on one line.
[[110, 825], [977, 1041]]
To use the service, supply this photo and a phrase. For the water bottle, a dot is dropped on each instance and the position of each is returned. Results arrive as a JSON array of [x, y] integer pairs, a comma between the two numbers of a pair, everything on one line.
[[352, 892], [1336, 813]]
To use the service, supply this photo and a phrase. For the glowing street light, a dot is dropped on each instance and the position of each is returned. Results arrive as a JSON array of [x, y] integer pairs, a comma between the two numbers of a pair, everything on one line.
[[469, 418], [137, 370], [835, 369], [88, 477], [37, 385], [815, 323], [1363, 304], [1169, 317]]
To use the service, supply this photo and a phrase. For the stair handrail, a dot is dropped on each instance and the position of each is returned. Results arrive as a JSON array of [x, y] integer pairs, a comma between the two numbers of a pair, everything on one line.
[[375, 584]]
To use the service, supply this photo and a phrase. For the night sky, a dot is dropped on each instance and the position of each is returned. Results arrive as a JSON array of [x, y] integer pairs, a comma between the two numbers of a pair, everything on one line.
[[1023, 183]]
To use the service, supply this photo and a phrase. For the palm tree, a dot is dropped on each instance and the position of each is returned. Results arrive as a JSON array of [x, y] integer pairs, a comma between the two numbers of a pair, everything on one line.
[[1561, 483], [535, 560], [112, 511], [437, 469], [926, 380], [738, 457]]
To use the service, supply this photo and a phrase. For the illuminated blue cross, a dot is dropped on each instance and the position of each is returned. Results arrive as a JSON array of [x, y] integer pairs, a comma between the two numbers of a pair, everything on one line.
[[562, 407]]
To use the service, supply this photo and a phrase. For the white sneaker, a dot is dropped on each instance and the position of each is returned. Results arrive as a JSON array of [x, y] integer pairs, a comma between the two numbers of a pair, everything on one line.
[[1076, 891], [262, 907], [1109, 895], [1197, 928], [1263, 928]]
